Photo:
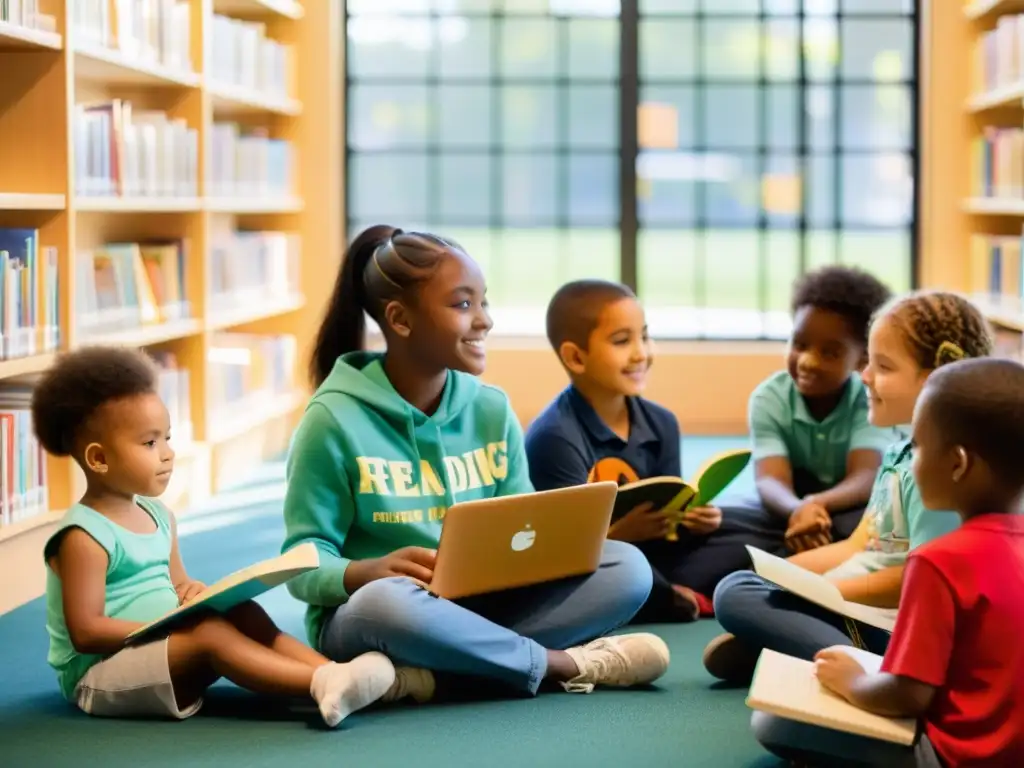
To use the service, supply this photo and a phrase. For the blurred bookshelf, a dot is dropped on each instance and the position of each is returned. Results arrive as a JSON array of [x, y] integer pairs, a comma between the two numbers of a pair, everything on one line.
[[990, 219], [161, 175]]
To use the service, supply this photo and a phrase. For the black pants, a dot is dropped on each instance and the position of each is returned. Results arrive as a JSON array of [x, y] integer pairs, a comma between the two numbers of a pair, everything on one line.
[[700, 562]]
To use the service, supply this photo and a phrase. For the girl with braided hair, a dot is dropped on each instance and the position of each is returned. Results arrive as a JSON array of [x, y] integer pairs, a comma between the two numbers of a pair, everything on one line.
[[910, 337], [388, 442]]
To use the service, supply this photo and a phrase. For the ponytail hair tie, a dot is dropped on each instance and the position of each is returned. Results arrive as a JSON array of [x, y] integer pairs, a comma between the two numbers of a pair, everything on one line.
[[376, 258], [948, 352]]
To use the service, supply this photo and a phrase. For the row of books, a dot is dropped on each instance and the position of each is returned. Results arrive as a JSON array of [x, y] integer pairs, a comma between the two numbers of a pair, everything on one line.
[[242, 55], [248, 163], [253, 268], [146, 31], [121, 286], [128, 285], [23, 491], [995, 266], [26, 13], [997, 158], [999, 55], [29, 298], [997, 282], [123, 151], [246, 374], [173, 386]]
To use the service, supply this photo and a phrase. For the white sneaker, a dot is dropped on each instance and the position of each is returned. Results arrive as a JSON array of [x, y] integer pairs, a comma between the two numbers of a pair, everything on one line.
[[411, 681], [619, 661]]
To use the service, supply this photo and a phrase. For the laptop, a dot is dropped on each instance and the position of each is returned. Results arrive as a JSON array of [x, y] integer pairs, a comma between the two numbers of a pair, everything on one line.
[[488, 545]]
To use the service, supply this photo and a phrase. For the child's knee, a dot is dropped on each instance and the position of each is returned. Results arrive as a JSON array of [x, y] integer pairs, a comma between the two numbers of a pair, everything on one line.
[[631, 571], [249, 613], [386, 601], [210, 631], [733, 592]]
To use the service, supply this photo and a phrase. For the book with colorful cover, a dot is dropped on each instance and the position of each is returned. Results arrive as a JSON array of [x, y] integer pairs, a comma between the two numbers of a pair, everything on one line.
[[234, 589], [674, 495]]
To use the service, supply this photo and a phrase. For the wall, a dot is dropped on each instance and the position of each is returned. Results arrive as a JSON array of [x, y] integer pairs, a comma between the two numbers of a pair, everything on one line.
[[706, 384]]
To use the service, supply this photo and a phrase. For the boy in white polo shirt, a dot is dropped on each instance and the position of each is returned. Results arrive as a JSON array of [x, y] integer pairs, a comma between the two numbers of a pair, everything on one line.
[[815, 454]]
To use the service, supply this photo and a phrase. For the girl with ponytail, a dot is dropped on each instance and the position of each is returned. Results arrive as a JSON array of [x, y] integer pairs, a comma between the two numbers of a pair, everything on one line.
[[387, 443]]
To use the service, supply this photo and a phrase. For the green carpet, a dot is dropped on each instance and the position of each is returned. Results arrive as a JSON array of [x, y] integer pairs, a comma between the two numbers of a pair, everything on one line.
[[684, 719]]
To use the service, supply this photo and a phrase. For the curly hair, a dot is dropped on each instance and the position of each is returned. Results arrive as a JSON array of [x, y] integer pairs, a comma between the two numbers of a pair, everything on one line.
[[576, 307], [977, 404], [939, 327], [78, 384], [850, 292]]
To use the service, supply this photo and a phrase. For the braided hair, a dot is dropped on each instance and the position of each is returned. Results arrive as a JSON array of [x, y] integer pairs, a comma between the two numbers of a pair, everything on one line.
[[382, 263], [939, 327]]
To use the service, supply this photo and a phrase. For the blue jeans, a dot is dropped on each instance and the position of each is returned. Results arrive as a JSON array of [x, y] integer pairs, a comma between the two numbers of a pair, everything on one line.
[[811, 745], [762, 615], [502, 636]]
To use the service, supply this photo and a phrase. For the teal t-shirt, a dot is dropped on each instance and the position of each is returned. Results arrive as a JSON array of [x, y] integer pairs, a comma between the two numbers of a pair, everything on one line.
[[897, 521], [781, 425], [139, 586], [368, 473]]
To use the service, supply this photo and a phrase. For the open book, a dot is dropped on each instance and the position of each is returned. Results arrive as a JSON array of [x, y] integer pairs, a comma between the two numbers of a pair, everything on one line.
[[242, 585], [816, 589], [787, 686], [675, 495]]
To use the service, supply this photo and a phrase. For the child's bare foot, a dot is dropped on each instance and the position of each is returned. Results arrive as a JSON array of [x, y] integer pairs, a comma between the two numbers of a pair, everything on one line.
[[341, 689]]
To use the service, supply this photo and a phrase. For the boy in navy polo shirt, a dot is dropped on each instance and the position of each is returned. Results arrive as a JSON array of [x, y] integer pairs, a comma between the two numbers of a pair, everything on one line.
[[599, 428], [815, 453]]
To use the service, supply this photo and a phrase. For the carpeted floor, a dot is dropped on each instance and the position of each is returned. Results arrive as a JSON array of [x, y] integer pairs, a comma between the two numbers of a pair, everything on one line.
[[686, 719]]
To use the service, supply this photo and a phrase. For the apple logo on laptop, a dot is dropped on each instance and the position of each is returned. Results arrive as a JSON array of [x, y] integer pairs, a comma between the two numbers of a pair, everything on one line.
[[523, 539]]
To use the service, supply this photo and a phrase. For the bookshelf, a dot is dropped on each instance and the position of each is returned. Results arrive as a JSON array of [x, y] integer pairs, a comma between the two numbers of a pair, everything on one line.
[[972, 158], [170, 179]]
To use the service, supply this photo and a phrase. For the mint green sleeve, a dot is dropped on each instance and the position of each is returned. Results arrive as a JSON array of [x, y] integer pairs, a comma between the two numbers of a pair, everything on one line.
[[517, 477], [765, 418], [318, 506]]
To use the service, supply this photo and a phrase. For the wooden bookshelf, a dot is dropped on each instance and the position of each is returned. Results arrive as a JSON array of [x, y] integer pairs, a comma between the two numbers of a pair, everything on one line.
[[972, 158], [204, 199]]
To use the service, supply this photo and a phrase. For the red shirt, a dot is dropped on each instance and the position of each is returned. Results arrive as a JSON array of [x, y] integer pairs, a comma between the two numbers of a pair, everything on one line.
[[960, 628]]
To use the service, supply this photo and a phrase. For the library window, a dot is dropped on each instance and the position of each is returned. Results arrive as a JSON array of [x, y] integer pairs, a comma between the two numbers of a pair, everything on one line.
[[771, 137]]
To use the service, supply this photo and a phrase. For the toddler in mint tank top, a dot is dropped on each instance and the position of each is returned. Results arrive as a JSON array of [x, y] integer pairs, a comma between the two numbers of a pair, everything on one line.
[[113, 565]]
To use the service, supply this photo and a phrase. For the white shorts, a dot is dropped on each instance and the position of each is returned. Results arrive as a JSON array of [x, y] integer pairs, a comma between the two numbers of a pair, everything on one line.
[[134, 682]]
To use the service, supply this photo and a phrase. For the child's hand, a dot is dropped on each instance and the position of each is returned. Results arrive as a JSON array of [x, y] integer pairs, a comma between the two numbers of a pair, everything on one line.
[[810, 526], [837, 670], [642, 523], [415, 563], [702, 520], [188, 590]]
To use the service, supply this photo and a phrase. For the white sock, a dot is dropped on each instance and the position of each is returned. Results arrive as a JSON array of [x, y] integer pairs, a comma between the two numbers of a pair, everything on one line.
[[341, 689]]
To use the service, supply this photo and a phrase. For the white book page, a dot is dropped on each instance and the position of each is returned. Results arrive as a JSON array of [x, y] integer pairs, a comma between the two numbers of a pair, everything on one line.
[[816, 589]]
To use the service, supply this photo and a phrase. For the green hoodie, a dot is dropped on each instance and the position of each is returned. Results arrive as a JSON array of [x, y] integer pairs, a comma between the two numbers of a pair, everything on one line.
[[368, 473]]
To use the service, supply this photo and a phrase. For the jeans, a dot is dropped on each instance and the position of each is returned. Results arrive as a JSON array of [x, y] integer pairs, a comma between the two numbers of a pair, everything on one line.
[[805, 743], [504, 636], [762, 615]]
